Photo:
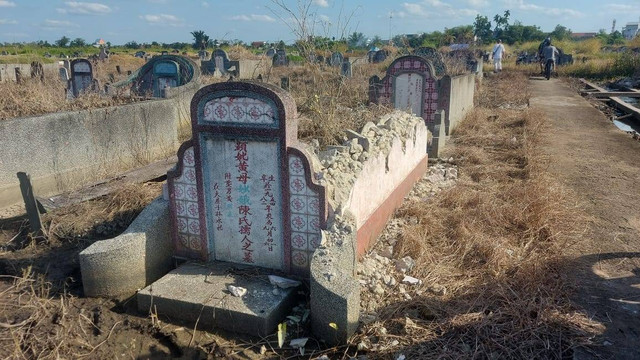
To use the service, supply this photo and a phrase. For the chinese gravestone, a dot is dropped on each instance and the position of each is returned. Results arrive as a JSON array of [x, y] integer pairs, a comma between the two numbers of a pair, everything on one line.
[[271, 53], [410, 84], [242, 191], [166, 74], [37, 71], [280, 58], [435, 57], [379, 56], [336, 59], [81, 76], [221, 61], [345, 68]]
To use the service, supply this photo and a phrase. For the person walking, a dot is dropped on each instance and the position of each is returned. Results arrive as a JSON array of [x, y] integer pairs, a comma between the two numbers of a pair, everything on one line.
[[497, 54]]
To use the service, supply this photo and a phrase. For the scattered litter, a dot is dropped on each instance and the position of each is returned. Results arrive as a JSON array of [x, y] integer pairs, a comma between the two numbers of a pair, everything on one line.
[[283, 283], [236, 291], [298, 343], [411, 280]]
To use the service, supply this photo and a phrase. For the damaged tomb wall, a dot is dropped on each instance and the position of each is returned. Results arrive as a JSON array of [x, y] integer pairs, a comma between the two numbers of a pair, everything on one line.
[[366, 181], [456, 98]]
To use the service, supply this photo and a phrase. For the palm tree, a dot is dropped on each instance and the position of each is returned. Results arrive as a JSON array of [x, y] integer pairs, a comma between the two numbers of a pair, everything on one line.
[[200, 39]]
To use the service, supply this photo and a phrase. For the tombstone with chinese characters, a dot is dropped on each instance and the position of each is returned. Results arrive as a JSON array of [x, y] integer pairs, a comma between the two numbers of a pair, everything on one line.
[[82, 77], [435, 57], [336, 59], [243, 194], [410, 84], [280, 58], [221, 60], [166, 74]]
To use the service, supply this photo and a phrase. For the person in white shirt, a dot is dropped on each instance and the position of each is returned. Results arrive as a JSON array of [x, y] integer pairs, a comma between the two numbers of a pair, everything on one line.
[[497, 54]]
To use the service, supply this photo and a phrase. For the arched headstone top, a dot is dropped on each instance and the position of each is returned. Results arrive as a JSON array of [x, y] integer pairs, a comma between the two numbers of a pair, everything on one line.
[[411, 63], [251, 108]]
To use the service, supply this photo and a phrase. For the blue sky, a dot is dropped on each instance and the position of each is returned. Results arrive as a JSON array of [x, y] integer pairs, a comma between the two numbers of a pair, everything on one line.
[[119, 21]]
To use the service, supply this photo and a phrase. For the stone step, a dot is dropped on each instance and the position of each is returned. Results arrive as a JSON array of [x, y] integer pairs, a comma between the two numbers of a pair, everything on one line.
[[199, 291]]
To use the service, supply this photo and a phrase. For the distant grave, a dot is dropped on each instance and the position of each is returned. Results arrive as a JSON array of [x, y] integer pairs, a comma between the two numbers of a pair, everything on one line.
[[378, 56], [159, 74], [4, 53], [280, 58], [82, 77], [270, 53], [410, 84], [166, 74], [435, 57], [103, 55], [37, 71], [140, 54], [345, 68], [221, 60], [336, 59]]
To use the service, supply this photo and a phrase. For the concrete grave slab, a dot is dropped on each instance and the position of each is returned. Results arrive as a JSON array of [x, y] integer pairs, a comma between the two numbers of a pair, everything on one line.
[[195, 292]]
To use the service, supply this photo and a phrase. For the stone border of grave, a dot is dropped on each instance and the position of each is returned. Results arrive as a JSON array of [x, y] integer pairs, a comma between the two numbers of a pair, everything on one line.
[[191, 75]]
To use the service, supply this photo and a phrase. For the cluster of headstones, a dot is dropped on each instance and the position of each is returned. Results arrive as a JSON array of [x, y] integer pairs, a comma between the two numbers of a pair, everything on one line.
[[377, 56]]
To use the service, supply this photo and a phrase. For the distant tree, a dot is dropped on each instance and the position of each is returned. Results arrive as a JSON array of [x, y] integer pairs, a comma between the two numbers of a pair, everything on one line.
[[78, 42], [200, 39], [155, 43], [615, 38], [561, 33], [108, 44], [502, 23], [281, 45], [521, 33], [132, 45], [62, 42], [482, 28], [461, 34], [376, 41], [356, 40]]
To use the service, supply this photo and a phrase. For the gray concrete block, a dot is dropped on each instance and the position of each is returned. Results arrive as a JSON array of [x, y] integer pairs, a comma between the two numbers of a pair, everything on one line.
[[195, 292], [335, 291], [131, 260], [439, 137]]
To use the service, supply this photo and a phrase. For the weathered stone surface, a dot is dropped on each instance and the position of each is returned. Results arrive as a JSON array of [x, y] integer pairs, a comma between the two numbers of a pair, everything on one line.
[[195, 292], [126, 263]]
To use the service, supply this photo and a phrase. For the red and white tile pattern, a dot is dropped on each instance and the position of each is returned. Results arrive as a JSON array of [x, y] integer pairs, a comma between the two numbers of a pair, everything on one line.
[[239, 110], [185, 203], [304, 205]]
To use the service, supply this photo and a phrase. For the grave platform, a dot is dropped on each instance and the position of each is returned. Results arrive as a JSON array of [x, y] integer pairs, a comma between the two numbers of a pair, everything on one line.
[[199, 291]]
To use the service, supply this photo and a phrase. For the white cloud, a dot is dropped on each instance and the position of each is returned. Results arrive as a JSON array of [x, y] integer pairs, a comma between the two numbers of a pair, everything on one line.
[[56, 24], [84, 8], [205, 4], [15, 35], [253, 17], [5, 3], [7, 22], [433, 9], [551, 11], [163, 19], [324, 18], [621, 9], [478, 3], [321, 3]]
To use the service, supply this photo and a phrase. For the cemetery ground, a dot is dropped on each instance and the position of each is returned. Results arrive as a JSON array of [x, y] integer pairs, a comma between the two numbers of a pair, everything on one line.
[[493, 233]]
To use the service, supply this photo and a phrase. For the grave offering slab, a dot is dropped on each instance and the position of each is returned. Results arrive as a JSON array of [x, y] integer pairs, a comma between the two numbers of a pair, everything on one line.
[[195, 292]]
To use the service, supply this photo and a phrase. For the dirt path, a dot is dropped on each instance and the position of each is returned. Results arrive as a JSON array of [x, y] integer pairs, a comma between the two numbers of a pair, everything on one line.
[[601, 165]]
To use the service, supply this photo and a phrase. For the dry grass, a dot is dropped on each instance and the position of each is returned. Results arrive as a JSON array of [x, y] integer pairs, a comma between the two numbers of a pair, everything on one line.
[[33, 97], [328, 103], [494, 242]]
